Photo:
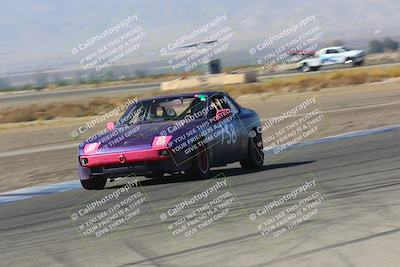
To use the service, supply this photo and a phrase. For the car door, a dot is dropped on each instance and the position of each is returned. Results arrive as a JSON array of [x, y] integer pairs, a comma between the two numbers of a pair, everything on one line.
[[227, 143], [330, 57]]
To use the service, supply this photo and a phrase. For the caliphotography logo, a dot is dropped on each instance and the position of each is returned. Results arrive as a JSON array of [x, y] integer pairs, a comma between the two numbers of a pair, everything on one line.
[[199, 133]]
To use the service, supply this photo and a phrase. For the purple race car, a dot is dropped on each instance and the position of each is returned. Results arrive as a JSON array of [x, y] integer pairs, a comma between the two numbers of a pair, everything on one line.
[[184, 133]]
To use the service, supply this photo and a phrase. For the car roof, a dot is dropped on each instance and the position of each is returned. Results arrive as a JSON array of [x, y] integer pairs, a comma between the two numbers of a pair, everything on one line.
[[332, 47], [184, 95]]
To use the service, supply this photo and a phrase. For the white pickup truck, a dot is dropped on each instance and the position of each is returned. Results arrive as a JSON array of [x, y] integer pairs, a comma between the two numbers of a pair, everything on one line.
[[330, 56]]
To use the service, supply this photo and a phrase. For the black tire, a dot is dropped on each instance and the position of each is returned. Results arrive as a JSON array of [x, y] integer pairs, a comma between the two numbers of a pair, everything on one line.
[[305, 68], [349, 63], [359, 63], [200, 163], [94, 183], [255, 152], [156, 175]]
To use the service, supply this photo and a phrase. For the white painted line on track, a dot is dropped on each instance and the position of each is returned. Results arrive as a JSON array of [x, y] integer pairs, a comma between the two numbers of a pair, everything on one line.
[[341, 110], [30, 192]]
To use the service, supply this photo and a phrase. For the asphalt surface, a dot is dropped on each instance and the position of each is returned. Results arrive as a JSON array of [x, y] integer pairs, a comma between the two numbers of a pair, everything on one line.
[[356, 223], [75, 93], [26, 98]]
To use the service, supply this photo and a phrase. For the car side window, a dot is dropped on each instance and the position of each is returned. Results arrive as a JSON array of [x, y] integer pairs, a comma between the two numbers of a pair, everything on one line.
[[232, 106], [159, 112], [331, 51], [218, 102]]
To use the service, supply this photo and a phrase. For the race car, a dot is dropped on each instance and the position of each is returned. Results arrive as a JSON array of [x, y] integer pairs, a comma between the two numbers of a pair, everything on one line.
[[177, 134], [330, 56]]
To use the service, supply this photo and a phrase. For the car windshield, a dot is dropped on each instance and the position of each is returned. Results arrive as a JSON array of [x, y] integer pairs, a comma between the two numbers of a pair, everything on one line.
[[163, 110], [344, 49]]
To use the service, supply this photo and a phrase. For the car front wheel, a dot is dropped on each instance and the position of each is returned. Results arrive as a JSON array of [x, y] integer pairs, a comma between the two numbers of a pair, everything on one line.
[[349, 63], [255, 153]]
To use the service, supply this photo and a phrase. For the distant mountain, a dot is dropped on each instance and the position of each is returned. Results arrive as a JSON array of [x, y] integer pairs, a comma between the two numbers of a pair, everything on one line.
[[42, 32]]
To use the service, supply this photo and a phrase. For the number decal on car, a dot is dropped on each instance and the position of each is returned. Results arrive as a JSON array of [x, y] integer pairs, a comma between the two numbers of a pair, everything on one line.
[[230, 131]]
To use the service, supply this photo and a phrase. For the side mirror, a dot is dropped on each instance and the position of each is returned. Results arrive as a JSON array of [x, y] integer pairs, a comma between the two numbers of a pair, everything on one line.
[[110, 126], [222, 113]]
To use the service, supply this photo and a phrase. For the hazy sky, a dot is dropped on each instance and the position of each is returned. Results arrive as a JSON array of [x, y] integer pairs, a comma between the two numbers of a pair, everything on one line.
[[45, 31]]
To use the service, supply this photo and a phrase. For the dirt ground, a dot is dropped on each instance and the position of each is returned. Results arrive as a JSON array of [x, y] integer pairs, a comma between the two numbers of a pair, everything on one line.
[[345, 109]]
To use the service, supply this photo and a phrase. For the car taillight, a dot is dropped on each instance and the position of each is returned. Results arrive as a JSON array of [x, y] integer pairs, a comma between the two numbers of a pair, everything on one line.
[[161, 141], [91, 148]]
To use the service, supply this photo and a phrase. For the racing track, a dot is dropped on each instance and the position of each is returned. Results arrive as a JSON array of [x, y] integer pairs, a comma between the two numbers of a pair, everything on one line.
[[22, 98], [87, 92], [357, 225]]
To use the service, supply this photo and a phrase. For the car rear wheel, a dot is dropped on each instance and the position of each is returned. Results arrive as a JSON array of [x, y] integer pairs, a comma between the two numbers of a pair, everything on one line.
[[305, 68], [255, 153], [201, 163], [94, 183]]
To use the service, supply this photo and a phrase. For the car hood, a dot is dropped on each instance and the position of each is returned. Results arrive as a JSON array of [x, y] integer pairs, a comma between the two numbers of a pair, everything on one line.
[[137, 137], [354, 53]]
